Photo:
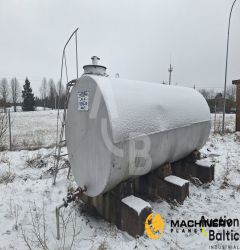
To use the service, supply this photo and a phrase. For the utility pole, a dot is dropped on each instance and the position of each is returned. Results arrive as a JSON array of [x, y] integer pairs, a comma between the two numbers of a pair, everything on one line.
[[170, 70]]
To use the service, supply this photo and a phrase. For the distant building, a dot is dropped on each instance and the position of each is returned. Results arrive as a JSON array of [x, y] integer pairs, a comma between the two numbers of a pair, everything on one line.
[[217, 103]]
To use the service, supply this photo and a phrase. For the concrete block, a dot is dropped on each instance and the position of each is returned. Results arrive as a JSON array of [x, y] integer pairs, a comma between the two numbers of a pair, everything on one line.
[[154, 188], [128, 214], [178, 188], [200, 169], [134, 212], [204, 171]]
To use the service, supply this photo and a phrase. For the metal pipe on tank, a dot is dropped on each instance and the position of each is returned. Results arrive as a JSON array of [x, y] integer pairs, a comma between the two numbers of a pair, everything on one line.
[[95, 60], [72, 196]]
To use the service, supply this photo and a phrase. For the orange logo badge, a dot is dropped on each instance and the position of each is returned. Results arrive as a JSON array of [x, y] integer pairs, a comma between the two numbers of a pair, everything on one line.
[[154, 226]]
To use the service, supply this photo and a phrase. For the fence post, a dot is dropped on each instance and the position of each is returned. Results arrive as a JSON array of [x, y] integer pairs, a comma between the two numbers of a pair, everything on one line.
[[215, 116], [10, 132]]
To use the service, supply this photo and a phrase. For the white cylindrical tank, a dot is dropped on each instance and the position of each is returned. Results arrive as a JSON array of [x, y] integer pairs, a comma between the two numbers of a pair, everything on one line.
[[108, 117]]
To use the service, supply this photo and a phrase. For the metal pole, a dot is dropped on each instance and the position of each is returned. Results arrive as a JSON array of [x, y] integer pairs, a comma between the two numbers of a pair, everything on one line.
[[226, 70], [10, 131], [60, 89], [76, 53], [57, 219]]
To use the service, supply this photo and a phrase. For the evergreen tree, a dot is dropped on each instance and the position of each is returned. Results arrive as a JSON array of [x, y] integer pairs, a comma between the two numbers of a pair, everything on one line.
[[28, 97]]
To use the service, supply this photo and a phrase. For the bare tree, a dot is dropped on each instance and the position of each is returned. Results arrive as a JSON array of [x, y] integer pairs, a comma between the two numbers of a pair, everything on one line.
[[61, 94], [4, 91], [15, 92], [59, 89], [207, 94], [231, 92], [43, 91], [52, 93]]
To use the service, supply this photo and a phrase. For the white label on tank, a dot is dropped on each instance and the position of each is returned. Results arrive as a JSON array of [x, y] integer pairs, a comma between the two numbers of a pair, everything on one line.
[[82, 100]]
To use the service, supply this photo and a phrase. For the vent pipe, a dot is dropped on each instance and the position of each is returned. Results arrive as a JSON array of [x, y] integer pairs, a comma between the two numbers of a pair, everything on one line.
[[95, 60], [94, 68]]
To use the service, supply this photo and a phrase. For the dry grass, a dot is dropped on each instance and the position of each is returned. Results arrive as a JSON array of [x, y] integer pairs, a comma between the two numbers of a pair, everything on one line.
[[36, 161], [9, 176], [28, 143], [14, 211], [217, 125], [3, 129], [37, 237], [237, 137], [103, 246], [225, 182]]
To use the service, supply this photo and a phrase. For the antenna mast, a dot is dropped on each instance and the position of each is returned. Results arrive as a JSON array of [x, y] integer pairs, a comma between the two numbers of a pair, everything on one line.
[[170, 70]]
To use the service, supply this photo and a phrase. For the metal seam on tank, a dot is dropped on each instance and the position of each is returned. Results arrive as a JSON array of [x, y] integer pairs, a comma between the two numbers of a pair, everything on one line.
[[162, 131]]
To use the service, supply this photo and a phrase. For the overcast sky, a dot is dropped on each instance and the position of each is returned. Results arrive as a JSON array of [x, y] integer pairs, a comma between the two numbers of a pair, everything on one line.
[[136, 38]]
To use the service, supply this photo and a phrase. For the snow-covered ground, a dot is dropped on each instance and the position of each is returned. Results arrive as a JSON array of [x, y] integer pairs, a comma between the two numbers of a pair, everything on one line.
[[33, 129], [26, 194]]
